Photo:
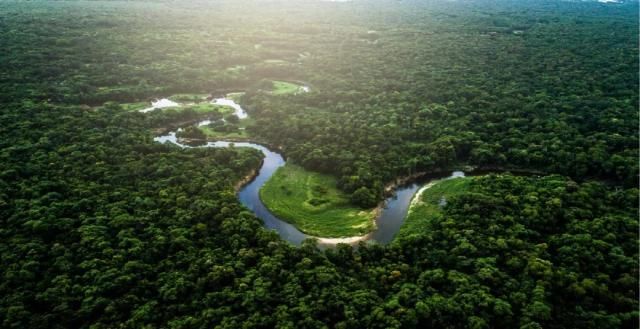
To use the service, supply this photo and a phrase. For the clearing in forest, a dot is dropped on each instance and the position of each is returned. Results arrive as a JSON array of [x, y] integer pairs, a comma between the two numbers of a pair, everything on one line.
[[284, 88], [312, 202]]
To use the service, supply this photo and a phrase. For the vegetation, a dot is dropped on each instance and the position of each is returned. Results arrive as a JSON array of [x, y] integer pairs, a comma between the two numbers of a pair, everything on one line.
[[284, 88], [100, 227], [313, 204], [532, 249], [194, 98], [191, 133], [236, 97], [220, 129], [428, 205], [133, 106], [207, 107]]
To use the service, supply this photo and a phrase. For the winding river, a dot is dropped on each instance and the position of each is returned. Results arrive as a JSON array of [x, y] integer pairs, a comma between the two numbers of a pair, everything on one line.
[[391, 217]]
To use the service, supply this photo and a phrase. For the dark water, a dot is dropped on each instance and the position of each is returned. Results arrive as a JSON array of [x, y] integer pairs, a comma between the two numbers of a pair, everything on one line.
[[396, 207], [387, 224], [248, 195]]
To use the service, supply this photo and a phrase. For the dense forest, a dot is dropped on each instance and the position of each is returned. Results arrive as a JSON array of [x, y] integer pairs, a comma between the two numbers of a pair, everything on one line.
[[101, 227]]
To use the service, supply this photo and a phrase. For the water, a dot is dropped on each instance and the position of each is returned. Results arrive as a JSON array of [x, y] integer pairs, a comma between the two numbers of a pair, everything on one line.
[[396, 207], [160, 104], [388, 222], [249, 194], [239, 111], [166, 103]]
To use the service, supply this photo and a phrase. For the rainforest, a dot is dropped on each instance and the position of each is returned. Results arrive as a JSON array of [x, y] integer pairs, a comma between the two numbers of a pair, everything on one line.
[[319, 164]]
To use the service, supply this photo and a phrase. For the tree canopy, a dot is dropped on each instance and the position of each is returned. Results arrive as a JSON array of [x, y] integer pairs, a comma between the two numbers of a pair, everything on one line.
[[101, 227]]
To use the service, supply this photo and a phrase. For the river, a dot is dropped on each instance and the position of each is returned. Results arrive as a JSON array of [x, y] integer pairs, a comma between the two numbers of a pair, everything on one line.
[[391, 217]]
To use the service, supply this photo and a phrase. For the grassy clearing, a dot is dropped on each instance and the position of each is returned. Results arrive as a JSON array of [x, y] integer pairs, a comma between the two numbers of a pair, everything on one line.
[[182, 98], [312, 202], [241, 133], [200, 104], [208, 107], [200, 108], [284, 88], [235, 96], [135, 106], [429, 205]]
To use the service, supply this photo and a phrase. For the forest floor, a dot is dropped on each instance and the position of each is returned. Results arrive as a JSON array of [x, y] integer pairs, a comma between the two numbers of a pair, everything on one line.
[[312, 202], [428, 202]]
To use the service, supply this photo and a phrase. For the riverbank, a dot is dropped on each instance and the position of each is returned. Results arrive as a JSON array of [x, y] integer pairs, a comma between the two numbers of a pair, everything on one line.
[[390, 187], [313, 203], [174, 126], [381, 223], [184, 140], [428, 202], [479, 170], [248, 178], [417, 197], [349, 240]]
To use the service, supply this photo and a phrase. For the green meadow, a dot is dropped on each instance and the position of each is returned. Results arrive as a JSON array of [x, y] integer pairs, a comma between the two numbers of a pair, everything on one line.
[[312, 202], [284, 88]]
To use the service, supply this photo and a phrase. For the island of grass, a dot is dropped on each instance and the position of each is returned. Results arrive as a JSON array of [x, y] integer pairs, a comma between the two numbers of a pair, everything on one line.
[[236, 97], [134, 106], [193, 98], [312, 202], [228, 130], [286, 88], [428, 203], [208, 108], [196, 102], [198, 108]]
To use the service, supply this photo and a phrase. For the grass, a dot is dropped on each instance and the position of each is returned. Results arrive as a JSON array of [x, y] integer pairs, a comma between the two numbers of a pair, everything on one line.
[[429, 205], [235, 96], [207, 107], [284, 88], [135, 106], [181, 98], [201, 106], [240, 134], [312, 202]]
